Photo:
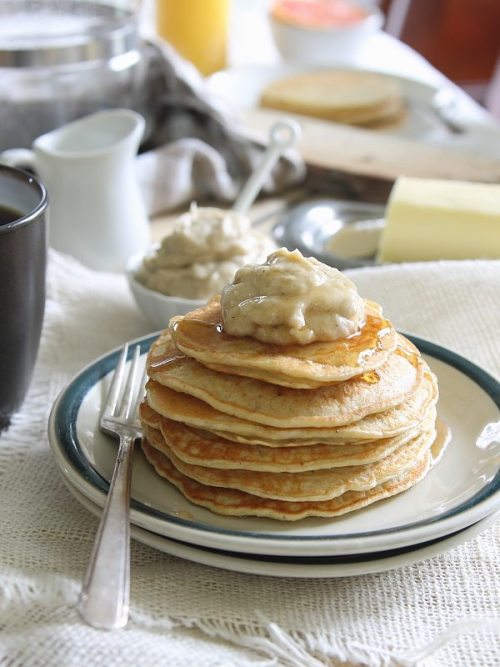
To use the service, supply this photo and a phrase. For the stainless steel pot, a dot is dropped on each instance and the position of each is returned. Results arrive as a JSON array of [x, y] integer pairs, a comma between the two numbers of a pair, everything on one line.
[[63, 59]]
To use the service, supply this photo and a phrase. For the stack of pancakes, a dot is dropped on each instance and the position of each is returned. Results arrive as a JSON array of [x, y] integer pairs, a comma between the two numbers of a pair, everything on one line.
[[343, 96], [246, 428]]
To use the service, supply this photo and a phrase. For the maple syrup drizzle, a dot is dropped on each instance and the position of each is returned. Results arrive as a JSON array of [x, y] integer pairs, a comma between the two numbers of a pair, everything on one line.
[[198, 329], [370, 377], [409, 355], [171, 357]]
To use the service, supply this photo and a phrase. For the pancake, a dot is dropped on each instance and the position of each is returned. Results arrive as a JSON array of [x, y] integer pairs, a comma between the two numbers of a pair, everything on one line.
[[203, 448], [300, 486], [343, 96], [232, 502], [392, 422], [273, 405], [246, 423], [200, 335], [394, 116]]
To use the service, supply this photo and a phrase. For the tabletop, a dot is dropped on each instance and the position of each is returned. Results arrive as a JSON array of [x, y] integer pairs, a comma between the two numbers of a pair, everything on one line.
[[434, 610]]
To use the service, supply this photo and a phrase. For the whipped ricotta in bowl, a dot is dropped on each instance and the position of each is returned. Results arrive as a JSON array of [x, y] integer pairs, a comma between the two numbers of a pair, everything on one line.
[[201, 254]]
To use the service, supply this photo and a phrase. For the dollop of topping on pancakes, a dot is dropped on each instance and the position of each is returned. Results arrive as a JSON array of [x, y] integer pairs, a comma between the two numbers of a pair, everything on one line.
[[291, 299], [202, 252]]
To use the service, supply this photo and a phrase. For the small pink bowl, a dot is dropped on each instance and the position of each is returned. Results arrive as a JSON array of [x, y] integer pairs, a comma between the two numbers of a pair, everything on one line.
[[315, 44]]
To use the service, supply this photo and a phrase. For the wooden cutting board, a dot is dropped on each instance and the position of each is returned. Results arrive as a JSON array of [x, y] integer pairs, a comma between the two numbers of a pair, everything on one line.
[[370, 157]]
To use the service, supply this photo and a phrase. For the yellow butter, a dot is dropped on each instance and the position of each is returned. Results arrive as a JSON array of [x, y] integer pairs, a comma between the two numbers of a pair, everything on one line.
[[429, 219]]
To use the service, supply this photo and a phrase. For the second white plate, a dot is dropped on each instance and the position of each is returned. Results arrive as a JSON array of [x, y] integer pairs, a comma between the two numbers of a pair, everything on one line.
[[304, 568]]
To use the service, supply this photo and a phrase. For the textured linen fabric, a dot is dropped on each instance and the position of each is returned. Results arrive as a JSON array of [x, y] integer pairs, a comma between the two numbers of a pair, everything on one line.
[[196, 148], [440, 612]]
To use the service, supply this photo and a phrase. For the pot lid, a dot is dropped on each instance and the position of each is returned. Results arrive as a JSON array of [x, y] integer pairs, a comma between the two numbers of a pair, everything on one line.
[[46, 33]]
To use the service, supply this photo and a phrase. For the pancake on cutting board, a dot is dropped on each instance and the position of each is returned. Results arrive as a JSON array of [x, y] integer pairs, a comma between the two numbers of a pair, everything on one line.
[[344, 96]]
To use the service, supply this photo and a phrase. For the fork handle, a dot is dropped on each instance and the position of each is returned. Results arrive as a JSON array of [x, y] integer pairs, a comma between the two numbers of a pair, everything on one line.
[[104, 600]]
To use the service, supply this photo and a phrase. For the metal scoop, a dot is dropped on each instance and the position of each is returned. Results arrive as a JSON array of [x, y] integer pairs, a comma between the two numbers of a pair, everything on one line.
[[282, 135]]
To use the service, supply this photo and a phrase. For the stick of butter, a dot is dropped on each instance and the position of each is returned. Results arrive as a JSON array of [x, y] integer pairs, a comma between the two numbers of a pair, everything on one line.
[[429, 219]]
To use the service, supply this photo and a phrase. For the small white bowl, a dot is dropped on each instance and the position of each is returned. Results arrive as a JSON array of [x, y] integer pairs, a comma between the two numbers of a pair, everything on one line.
[[325, 45], [157, 307]]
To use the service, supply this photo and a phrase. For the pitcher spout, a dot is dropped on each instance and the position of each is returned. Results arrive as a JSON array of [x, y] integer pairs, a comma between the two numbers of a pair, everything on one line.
[[100, 132]]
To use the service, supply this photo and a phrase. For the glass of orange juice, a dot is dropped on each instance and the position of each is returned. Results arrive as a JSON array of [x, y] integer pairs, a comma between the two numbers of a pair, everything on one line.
[[197, 29]]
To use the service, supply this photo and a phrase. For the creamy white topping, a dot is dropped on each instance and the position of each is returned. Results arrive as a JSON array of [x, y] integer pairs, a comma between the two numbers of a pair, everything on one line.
[[202, 253], [291, 299]]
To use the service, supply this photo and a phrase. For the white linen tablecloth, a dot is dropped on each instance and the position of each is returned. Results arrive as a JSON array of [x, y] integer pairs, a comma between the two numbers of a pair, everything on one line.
[[443, 611]]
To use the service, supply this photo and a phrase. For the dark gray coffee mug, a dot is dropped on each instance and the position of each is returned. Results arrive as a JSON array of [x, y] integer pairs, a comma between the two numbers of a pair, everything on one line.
[[23, 259]]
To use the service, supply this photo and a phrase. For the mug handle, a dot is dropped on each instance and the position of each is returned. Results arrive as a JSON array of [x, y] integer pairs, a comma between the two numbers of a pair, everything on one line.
[[18, 157]]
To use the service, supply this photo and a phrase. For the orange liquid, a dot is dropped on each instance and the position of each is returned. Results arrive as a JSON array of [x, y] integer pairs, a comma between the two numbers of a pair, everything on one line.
[[197, 29]]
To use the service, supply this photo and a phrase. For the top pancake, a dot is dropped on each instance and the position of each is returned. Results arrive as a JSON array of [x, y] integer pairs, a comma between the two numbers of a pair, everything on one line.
[[264, 403], [200, 334]]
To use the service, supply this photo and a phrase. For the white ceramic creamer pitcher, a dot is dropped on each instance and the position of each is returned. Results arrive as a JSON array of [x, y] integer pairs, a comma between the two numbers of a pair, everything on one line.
[[96, 212]]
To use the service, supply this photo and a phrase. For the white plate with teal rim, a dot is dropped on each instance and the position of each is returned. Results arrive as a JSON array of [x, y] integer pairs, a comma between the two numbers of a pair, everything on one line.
[[462, 489], [299, 566]]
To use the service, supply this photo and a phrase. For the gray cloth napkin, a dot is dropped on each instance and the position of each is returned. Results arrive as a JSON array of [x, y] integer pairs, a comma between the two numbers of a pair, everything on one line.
[[195, 147]]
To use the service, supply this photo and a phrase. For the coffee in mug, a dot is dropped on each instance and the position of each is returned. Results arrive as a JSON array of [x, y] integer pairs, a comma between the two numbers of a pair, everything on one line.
[[8, 214]]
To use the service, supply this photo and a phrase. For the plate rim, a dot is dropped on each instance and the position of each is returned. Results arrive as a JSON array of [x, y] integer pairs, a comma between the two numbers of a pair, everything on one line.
[[64, 442], [278, 70]]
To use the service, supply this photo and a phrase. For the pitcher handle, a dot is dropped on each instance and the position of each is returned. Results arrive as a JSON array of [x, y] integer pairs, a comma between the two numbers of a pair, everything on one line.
[[18, 157]]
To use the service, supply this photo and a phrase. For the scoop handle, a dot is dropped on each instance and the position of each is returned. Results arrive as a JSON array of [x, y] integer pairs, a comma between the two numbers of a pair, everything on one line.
[[282, 135]]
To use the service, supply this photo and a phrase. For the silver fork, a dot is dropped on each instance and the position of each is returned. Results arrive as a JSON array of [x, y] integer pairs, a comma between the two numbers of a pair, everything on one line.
[[104, 600]]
